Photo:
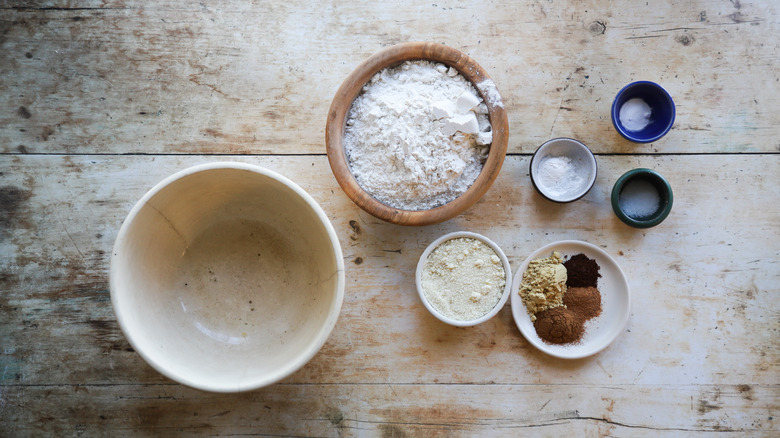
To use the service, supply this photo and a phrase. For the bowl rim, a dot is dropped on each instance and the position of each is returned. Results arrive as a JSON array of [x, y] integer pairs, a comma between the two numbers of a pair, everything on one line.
[[634, 173], [591, 182], [116, 289], [351, 88], [504, 295], [615, 113]]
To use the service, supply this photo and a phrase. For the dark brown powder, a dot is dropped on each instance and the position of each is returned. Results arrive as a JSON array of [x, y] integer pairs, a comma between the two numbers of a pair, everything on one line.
[[559, 325], [584, 302], [581, 271]]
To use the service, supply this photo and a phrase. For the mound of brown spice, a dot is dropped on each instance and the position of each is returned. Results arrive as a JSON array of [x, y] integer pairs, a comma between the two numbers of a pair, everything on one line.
[[584, 302], [581, 302], [559, 325]]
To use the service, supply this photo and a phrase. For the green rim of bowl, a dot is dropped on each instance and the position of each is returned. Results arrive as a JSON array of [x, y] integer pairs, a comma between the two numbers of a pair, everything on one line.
[[665, 190]]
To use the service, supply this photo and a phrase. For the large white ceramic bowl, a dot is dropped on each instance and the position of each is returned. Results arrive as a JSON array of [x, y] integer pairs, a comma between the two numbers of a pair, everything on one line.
[[227, 277]]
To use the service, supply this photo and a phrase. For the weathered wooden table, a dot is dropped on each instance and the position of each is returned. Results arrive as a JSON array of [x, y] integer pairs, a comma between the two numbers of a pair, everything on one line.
[[102, 99]]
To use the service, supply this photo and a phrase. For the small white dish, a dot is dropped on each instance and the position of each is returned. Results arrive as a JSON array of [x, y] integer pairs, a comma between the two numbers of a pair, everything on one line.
[[494, 310], [599, 331], [581, 168]]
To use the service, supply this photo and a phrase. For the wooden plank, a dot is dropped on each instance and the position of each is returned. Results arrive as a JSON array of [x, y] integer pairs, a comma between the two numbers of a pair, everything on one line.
[[704, 282], [237, 77], [393, 410], [83, 85]]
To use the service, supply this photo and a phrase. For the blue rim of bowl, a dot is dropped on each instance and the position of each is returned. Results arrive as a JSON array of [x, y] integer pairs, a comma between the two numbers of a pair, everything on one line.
[[615, 116], [541, 192], [641, 172]]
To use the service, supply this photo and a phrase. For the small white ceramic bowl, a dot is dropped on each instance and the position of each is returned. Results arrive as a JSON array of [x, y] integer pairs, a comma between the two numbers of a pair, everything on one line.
[[582, 163], [455, 322], [599, 331], [227, 277]]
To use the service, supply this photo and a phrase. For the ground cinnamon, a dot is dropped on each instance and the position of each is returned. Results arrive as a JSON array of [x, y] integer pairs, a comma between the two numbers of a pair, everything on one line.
[[584, 302]]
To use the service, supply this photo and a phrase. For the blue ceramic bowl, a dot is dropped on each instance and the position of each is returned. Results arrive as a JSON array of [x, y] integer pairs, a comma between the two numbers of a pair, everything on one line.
[[662, 111]]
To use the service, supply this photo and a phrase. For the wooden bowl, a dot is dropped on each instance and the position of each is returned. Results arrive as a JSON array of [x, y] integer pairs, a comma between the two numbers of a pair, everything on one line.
[[351, 88]]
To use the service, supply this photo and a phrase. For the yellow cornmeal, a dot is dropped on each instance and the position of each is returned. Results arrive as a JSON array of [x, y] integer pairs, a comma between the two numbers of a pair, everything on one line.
[[543, 285]]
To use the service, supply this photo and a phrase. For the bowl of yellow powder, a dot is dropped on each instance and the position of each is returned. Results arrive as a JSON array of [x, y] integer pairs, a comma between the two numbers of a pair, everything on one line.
[[463, 278]]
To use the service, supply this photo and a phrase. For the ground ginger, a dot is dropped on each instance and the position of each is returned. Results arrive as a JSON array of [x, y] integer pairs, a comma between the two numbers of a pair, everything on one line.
[[543, 284]]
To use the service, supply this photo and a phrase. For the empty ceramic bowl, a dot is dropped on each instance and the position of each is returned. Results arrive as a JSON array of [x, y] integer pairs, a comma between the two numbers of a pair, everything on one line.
[[338, 117], [463, 278], [643, 112], [227, 277], [563, 170], [642, 198]]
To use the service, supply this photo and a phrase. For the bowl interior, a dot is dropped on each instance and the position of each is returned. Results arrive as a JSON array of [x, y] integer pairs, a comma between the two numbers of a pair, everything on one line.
[[351, 88], [579, 154], [642, 179], [662, 111], [227, 279]]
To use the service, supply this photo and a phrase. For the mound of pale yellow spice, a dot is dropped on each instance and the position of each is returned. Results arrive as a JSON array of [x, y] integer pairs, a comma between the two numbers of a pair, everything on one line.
[[543, 284]]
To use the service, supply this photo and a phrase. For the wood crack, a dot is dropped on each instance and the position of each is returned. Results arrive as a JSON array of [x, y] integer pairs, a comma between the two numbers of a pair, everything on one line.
[[643, 37], [636, 426], [59, 8]]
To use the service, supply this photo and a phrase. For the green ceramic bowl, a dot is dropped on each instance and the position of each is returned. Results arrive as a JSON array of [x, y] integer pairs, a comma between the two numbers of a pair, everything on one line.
[[642, 198]]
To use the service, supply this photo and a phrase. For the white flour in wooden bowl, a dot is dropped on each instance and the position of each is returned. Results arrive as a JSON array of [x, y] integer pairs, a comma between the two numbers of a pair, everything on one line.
[[417, 136]]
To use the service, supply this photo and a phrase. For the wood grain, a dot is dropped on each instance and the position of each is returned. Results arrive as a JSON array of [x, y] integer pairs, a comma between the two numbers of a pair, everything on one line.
[[238, 77], [103, 99], [700, 343], [377, 410]]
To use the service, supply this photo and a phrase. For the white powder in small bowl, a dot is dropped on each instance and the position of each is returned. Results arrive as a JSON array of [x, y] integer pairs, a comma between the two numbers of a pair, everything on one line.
[[639, 199], [560, 177], [463, 278], [635, 114]]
